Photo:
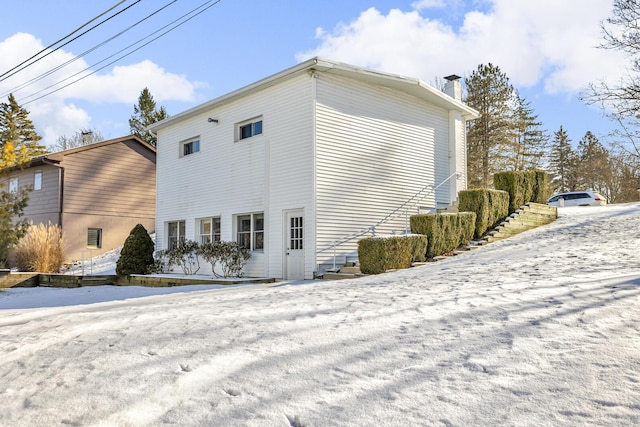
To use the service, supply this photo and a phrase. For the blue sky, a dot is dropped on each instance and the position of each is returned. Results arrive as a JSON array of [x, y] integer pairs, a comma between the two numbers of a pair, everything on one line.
[[547, 48]]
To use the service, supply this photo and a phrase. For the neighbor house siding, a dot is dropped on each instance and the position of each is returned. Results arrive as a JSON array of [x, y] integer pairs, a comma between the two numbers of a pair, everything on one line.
[[376, 148], [267, 173], [44, 204], [109, 187]]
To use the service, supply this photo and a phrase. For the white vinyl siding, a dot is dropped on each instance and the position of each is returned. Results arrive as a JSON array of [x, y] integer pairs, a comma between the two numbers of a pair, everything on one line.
[[376, 148], [266, 173]]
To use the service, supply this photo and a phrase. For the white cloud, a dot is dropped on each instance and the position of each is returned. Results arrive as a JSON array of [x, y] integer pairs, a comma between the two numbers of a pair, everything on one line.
[[546, 41], [58, 113], [427, 4]]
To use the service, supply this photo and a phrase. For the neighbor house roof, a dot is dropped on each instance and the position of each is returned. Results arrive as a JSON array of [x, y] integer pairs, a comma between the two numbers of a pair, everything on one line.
[[59, 156], [412, 86]]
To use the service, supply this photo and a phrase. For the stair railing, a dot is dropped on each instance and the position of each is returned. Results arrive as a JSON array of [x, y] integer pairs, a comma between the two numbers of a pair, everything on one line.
[[409, 203]]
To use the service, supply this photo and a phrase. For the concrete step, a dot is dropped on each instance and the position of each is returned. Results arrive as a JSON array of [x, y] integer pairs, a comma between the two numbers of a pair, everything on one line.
[[350, 270]]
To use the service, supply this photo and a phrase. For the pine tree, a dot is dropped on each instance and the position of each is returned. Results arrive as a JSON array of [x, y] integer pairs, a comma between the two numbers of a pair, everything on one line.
[[19, 140], [489, 92], [530, 140], [594, 167], [145, 114], [562, 162]]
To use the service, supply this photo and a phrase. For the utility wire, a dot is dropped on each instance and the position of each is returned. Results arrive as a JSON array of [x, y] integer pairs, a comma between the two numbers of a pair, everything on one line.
[[24, 64], [213, 3], [75, 58]]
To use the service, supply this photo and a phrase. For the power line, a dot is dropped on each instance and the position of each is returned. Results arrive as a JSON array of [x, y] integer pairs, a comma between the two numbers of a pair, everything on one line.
[[210, 4], [75, 58], [22, 66]]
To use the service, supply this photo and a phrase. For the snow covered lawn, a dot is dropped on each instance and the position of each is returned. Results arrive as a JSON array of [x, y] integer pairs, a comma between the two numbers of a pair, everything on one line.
[[542, 329]]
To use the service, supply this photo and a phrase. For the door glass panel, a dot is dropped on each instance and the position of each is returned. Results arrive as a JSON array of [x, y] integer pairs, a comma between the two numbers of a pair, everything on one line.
[[296, 233]]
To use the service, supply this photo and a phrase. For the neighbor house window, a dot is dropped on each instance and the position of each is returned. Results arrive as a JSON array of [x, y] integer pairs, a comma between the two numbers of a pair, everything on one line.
[[13, 184], [210, 230], [251, 231], [94, 238], [37, 180], [249, 128], [175, 233], [189, 147]]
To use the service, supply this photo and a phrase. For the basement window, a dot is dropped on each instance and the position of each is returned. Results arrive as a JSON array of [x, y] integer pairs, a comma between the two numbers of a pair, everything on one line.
[[94, 238]]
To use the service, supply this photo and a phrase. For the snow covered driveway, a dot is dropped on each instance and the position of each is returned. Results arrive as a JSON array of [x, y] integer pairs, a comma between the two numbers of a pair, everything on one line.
[[542, 329]]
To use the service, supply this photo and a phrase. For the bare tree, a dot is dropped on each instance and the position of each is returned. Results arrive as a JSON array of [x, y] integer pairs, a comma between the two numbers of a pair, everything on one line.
[[78, 139]]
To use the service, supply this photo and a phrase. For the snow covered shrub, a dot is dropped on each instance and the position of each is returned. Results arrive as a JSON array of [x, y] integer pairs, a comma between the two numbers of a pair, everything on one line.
[[490, 207], [40, 250], [185, 255], [229, 255], [379, 254], [445, 232], [136, 255]]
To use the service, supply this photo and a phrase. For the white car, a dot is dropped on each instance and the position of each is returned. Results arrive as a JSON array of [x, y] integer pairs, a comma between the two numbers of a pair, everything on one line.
[[577, 198]]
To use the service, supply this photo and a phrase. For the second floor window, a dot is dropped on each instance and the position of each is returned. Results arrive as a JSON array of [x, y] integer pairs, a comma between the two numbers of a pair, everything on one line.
[[189, 147], [37, 180], [13, 184], [249, 129]]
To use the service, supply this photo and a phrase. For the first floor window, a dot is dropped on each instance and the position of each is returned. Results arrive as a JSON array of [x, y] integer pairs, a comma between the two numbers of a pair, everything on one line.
[[13, 184], [251, 231], [37, 180], [210, 230], [94, 238], [176, 232]]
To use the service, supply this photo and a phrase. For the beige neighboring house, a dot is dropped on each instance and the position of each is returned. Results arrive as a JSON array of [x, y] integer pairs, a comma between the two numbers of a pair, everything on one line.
[[97, 193]]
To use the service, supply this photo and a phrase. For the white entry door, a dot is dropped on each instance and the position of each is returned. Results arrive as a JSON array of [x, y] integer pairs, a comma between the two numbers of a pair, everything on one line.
[[294, 245]]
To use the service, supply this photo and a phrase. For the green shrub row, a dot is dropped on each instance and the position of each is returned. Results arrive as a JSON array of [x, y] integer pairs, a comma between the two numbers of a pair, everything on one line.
[[490, 207], [445, 232], [379, 254], [522, 186]]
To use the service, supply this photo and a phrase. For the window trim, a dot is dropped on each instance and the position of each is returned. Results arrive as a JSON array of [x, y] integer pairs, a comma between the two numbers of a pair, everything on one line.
[[180, 235], [97, 239], [195, 142], [252, 123], [214, 235], [37, 183], [13, 184], [255, 234]]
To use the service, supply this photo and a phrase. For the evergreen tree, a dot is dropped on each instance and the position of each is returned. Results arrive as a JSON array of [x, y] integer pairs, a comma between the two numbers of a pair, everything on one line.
[[137, 252], [144, 114], [594, 166], [562, 162], [530, 140], [489, 92], [19, 141]]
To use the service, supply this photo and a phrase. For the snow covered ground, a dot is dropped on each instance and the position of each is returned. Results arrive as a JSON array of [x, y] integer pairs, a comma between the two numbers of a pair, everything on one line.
[[542, 329]]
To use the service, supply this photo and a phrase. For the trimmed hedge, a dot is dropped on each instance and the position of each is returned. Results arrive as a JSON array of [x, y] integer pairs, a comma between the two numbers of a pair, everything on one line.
[[379, 254], [445, 232], [522, 186], [490, 207]]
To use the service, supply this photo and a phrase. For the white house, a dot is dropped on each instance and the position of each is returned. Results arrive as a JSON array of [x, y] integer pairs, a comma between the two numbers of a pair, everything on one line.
[[300, 165]]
